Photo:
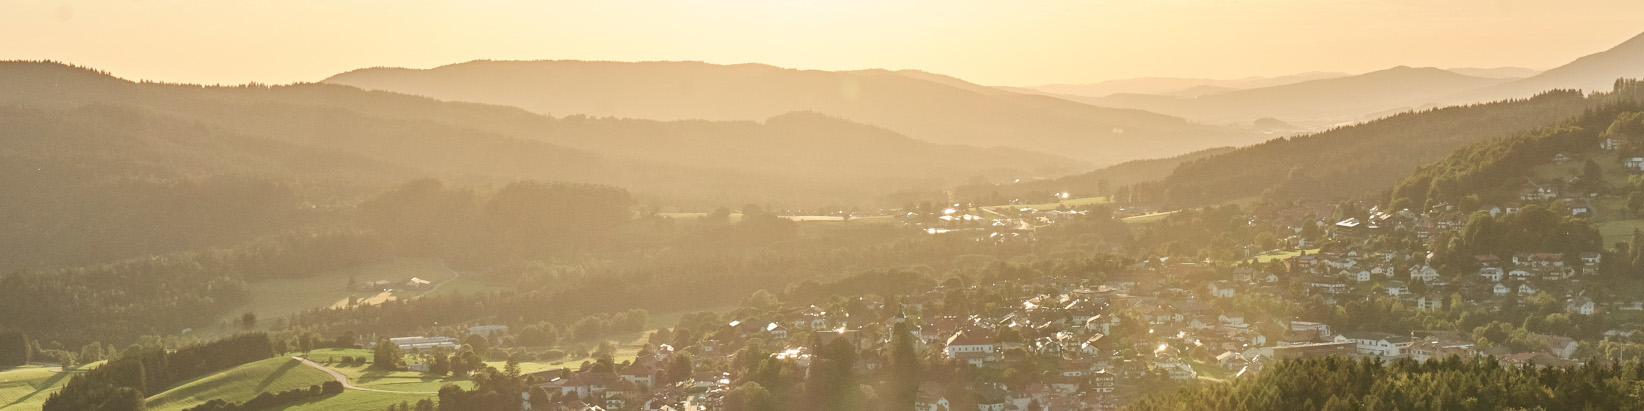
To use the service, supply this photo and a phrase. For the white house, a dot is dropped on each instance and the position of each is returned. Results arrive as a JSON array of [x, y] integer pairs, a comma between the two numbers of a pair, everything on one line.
[[1581, 305], [1397, 288], [975, 348], [1424, 273], [1221, 289], [1591, 258], [1493, 274], [1502, 289], [1526, 289], [1430, 302], [1362, 276], [1177, 370], [777, 331]]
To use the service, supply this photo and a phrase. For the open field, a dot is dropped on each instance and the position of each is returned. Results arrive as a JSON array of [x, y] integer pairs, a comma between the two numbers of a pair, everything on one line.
[[239, 384], [26, 388], [1287, 254], [362, 375], [272, 299], [1619, 231], [1147, 218], [354, 400]]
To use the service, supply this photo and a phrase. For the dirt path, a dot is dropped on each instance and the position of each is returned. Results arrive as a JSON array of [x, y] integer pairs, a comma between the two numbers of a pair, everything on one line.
[[344, 379], [454, 275]]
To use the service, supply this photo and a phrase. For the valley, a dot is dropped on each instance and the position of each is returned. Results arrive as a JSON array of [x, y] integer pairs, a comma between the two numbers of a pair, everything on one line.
[[821, 207]]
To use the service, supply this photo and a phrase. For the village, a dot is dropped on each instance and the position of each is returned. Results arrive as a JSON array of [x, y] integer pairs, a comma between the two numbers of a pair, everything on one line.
[[1095, 341], [1133, 331]]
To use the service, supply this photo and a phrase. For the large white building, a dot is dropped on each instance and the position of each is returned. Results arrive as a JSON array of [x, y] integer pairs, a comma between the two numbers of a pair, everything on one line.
[[1379, 344]]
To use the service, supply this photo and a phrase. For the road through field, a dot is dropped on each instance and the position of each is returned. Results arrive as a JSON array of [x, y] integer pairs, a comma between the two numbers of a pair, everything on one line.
[[344, 379]]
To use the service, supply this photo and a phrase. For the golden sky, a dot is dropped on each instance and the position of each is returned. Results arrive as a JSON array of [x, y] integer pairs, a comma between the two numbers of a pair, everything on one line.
[[995, 42]]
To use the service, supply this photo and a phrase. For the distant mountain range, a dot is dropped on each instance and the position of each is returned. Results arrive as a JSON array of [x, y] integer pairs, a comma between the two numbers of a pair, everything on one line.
[[1594, 72], [921, 105], [1322, 100], [1498, 72], [1173, 85], [338, 136], [1313, 103]]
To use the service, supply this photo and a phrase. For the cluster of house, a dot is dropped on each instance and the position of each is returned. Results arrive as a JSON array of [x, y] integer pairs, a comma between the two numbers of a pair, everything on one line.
[[1089, 329], [1103, 338], [1334, 274], [1428, 345], [631, 386]]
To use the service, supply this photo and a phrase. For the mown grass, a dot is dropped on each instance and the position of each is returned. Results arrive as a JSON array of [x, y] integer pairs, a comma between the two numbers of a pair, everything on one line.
[[364, 376], [240, 384], [26, 388], [354, 400], [1619, 230], [1147, 218], [1283, 255]]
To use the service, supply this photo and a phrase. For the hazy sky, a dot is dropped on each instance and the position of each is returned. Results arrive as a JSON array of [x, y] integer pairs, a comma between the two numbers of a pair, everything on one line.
[[996, 42]]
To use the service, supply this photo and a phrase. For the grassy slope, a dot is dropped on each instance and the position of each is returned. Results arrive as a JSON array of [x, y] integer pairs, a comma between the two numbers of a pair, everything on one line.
[[1614, 222], [362, 375], [239, 384], [244, 382], [1147, 218], [354, 400], [1284, 255], [26, 388]]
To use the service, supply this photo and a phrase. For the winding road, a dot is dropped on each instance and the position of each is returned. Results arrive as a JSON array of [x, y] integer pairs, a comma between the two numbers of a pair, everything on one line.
[[344, 379], [454, 275]]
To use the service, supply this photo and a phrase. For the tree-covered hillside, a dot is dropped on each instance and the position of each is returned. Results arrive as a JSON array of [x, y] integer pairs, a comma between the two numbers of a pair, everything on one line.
[[1339, 383], [1496, 170], [1361, 159], [925, 106], [795, 158]]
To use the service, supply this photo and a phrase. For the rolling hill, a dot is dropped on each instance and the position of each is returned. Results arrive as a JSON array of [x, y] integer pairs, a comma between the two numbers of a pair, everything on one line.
[[1362, 159], [1083, 185], [1313, 103], [920, 105], [1174, 85], [1331, 101], [1594, 72], [787, 158], [239, 384], [1497, 72]]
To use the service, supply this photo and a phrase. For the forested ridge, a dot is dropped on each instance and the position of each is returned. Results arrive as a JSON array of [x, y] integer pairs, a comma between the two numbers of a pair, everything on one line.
[[796, 158], [127, 379], [1340, 383], [1362, 159], [1096, 183], [165, 293], [1495, 170]]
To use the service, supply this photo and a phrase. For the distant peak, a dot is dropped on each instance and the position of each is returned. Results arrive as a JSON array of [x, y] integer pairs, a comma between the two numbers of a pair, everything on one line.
[[1635, 43]]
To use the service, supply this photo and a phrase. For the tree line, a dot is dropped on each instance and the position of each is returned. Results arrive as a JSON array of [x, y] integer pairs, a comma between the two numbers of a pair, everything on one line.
[[1341, 383], [140, 372]]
